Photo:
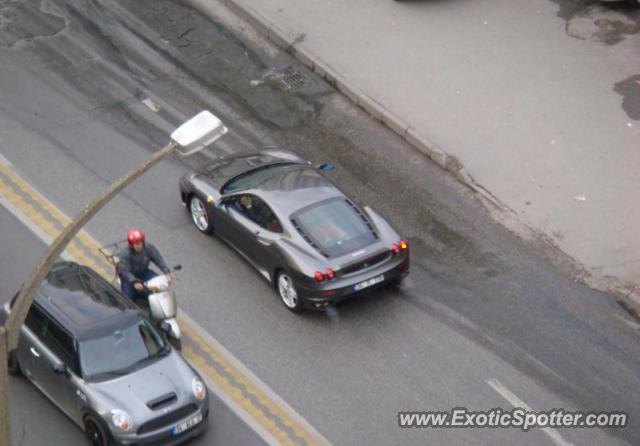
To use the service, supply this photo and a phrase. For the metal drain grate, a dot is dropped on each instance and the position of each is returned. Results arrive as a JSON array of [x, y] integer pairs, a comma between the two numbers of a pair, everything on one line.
[[290, 79]]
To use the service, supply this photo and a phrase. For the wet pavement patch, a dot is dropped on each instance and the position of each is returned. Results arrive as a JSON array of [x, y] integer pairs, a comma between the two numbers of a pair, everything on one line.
[[26, 21], [570, 8], [629, 89], [209, 53], [594, 21]]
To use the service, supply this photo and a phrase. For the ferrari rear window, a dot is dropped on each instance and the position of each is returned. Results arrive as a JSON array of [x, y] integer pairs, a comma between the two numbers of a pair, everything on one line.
[[335, 227], [255, 177]]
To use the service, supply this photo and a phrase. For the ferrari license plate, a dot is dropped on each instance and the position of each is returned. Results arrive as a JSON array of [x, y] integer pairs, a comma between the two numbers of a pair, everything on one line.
[[197, 418], [368, 283]]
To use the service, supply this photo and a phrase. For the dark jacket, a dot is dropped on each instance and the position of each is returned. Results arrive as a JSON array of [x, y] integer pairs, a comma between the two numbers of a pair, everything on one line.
[[133, 264]]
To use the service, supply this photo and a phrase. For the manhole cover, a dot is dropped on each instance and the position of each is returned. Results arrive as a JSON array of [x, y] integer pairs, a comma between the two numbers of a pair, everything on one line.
[[290, 79]]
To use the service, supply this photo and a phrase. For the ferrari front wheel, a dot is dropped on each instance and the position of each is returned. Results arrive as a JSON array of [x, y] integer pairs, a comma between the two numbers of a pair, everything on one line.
[[200, 215]]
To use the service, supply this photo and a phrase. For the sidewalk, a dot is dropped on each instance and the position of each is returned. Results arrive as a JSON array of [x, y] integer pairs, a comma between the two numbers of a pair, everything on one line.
[[536, 107]]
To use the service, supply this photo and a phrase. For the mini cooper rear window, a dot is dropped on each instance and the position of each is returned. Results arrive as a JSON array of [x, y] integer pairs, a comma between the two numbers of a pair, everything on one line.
[[335, 227]]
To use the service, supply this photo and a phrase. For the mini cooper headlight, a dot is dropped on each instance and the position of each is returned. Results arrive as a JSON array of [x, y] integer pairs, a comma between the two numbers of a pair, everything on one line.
[[199, 390], [121, 420]]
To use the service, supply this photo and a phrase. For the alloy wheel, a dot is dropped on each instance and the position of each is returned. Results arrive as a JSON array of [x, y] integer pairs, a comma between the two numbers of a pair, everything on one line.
[[287, 291], [199, 214]]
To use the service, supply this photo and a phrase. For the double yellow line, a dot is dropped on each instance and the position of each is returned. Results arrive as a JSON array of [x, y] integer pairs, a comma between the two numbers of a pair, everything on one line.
[[280, 422]]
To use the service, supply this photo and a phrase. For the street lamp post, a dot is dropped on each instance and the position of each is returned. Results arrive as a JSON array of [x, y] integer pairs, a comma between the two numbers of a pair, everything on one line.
[[190, 137]]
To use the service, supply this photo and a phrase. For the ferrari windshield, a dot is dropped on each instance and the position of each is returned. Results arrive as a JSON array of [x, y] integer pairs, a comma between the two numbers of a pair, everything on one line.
[[120, 351], [335, 227], [255, 177]]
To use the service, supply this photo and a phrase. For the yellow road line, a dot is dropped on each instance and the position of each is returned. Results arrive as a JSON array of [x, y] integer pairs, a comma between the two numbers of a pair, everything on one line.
[[45, 224], [51, 210], [264, 413], [236, 393], [260, 396]]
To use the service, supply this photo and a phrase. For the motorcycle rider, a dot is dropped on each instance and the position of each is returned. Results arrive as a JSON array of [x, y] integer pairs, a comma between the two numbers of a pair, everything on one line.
[[133, 265]]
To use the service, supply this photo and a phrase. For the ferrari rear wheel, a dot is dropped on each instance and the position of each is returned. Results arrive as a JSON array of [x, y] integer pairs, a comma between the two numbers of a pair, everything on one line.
[[288, 293], [200, 215]]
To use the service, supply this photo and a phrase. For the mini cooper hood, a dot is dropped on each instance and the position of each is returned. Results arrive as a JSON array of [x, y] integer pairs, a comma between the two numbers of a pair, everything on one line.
[[132, 392]]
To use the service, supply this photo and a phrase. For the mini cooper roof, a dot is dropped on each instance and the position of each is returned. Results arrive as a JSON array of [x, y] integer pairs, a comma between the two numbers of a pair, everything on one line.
[[83, 302]]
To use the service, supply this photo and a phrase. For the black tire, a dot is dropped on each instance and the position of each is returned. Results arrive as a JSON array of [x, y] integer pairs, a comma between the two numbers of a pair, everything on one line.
[[95, 431], [13, 365], [200, 214], [175, 343], [396, 283], [290, 297]]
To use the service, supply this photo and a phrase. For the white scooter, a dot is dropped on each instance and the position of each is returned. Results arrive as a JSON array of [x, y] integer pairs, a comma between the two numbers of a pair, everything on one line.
[[160, 304]]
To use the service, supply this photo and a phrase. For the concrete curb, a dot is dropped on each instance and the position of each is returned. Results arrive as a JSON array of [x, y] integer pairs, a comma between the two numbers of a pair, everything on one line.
[[631, 302], [293, 45], [290, 43]]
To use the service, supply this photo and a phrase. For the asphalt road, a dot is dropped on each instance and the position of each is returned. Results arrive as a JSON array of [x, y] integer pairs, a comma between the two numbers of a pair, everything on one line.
[[545, 89], [479, 307]]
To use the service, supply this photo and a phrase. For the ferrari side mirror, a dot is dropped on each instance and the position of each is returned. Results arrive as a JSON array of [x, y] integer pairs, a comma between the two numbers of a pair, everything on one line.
[[327, 167]]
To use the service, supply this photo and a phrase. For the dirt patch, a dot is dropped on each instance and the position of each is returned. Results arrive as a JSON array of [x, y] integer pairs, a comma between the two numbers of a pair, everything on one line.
[[629, 89], [592, 20], [26, 21]]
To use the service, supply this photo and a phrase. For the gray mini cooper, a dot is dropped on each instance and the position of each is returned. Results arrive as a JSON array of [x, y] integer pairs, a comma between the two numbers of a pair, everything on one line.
[[95, 355]]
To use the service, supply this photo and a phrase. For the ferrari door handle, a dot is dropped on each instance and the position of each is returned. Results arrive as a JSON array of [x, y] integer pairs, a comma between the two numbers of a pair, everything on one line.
[[34, 352], [262, 240]]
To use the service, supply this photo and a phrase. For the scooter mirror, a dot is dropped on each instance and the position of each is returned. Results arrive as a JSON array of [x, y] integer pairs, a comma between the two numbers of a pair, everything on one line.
[[177, 267]]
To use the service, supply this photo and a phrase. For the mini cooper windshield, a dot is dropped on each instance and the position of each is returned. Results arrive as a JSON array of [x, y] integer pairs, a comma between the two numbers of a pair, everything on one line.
[[121, 351]]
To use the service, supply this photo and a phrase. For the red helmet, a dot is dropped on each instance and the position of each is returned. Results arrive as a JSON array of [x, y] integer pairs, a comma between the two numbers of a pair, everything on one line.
[[134, 236]]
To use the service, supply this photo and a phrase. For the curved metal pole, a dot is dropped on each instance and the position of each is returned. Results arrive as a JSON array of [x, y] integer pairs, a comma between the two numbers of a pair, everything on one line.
[[9, 333]]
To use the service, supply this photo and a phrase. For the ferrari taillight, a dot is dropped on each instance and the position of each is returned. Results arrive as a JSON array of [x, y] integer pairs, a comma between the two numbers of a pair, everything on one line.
[[402, 245]]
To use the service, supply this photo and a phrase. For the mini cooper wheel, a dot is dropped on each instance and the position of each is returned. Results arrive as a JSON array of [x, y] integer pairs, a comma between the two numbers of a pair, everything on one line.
[[200, 215], [287, 292], [95, 432]]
